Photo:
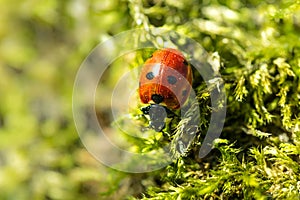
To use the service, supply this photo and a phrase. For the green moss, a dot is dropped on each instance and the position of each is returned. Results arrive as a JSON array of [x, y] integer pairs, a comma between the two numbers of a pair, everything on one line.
[[258, 155]]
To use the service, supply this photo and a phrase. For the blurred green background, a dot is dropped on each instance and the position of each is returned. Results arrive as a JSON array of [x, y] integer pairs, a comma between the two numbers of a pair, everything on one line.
[[42, 44]]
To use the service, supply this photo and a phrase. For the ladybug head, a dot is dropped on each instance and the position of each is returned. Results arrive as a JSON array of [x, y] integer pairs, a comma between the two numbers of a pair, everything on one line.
[[157, 126], [157, 114]]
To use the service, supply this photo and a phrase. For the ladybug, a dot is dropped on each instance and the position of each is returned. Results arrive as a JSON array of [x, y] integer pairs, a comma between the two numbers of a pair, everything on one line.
[[165, 84]]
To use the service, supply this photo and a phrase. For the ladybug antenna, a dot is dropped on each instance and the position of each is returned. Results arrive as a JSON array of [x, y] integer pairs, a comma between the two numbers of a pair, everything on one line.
[[157, 98]]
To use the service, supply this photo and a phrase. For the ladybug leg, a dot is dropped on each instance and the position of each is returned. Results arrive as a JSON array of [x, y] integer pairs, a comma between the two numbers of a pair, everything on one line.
[[146, 109], [165, 134], [170, 113]]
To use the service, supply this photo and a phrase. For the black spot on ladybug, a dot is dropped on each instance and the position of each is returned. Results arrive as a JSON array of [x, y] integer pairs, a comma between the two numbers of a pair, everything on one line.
[[184, 92], [185, 62], [150, 75], [172, 80], [157, 98]]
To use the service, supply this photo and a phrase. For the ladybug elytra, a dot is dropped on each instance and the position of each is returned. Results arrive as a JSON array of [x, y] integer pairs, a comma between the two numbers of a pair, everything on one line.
[[165, 84]]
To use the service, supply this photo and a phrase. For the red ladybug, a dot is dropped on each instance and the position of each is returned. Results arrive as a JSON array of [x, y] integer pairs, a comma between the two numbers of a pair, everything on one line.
[[165, 83]]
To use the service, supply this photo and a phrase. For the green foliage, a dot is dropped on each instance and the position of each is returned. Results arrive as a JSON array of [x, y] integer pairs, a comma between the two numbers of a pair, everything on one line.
[[254, 43]]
